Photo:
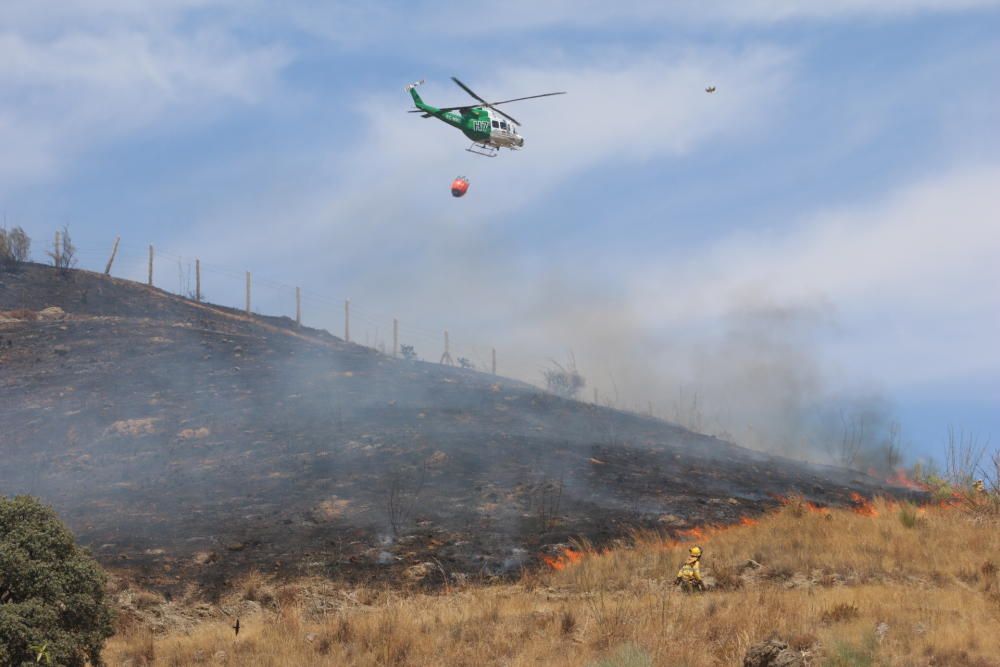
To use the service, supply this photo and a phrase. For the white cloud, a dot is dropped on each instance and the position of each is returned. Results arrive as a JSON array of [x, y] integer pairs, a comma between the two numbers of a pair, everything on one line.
[[420, 23], [75, 85], [919, 268], [778, 10], [526, 14]]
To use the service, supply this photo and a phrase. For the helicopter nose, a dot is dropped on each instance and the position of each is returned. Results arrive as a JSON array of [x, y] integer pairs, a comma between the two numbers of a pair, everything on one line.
[[520, 141]]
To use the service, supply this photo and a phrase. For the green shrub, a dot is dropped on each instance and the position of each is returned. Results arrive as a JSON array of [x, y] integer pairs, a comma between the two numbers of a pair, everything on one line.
[[52, 593]]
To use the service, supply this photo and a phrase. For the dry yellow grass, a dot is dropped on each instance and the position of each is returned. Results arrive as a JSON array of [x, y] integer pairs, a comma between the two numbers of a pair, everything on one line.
[[827, 582]]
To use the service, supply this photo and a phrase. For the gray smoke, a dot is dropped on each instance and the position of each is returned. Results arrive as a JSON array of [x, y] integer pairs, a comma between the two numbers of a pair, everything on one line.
[[757, 376]]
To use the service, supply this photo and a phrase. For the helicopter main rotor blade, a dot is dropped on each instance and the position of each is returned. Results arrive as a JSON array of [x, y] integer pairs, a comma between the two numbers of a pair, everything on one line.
[[505, 115], [529, 97], [468, 90], [493, 105], [466, 107], [485, 103]]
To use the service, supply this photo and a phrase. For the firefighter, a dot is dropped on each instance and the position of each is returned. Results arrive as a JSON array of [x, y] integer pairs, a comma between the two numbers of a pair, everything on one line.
[[979, 486], [689, 576]]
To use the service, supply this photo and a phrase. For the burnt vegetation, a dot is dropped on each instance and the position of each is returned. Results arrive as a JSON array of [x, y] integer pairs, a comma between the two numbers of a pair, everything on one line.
[[63, 252], [564, 380], [184, 441], [404, 487]]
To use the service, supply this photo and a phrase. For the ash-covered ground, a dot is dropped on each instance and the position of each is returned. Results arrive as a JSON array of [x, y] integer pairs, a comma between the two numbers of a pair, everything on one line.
[[184, 442]]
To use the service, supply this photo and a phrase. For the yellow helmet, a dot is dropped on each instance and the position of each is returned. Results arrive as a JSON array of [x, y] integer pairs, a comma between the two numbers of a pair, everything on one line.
[[695, 551]]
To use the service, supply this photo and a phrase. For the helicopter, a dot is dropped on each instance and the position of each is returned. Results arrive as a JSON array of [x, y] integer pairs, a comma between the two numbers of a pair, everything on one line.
[[487, 126]]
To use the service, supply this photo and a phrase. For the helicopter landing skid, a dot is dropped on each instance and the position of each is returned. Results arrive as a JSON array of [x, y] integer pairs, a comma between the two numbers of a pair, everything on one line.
[[483, 149]]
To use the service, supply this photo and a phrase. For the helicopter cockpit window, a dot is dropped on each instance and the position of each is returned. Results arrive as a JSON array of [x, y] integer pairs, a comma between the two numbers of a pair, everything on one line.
[[503, 125], [496, 124]]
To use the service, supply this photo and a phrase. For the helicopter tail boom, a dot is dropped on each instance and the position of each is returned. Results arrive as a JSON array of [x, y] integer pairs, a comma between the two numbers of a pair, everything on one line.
[[412, 90], [429, 111]]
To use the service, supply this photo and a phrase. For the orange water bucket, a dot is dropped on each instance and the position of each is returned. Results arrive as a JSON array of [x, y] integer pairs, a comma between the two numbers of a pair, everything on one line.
[[459, 186]]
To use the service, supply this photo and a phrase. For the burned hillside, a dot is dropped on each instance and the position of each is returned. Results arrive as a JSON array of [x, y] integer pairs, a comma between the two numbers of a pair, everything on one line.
[[182, 441]]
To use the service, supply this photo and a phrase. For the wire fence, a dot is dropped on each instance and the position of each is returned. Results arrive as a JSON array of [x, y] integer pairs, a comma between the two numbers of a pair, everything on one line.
[[260, 294], [269, 296]]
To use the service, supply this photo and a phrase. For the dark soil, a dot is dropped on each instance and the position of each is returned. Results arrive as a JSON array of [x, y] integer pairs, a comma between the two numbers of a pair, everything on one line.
[[188, 442]]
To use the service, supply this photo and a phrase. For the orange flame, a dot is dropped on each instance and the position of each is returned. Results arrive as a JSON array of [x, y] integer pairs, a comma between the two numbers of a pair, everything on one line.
[[684, 538], [862, 505], [954, 500], [814, 508], [696, 533], [705, 533], [900, 478], [560, 561], [800, 503]]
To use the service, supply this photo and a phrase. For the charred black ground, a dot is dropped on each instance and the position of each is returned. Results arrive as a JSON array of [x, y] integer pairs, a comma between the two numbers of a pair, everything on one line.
[[185, 442]]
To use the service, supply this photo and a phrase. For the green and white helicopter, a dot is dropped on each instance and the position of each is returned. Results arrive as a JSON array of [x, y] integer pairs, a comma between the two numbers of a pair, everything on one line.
[[487, 126]]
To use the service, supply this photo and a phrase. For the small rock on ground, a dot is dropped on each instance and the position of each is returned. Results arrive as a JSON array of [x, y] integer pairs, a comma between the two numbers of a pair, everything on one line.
[[773, 653]]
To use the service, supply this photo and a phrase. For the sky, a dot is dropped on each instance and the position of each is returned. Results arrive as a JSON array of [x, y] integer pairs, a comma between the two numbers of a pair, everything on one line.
[[820, 231]]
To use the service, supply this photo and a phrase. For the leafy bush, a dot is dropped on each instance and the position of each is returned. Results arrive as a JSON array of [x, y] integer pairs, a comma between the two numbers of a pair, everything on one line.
[[408, 352], [52, 593], [15, 247]]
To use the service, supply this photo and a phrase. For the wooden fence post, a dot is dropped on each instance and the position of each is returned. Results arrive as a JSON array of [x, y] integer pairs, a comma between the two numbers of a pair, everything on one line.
[[114, 251], [347, 321], [494, 361], [197, 280], [149, 280], [446, 357], [248, 292], [395, 337], [298, 307]]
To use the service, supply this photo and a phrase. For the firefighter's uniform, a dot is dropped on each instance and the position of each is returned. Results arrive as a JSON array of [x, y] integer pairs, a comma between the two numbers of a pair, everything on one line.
[[689, 576]]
